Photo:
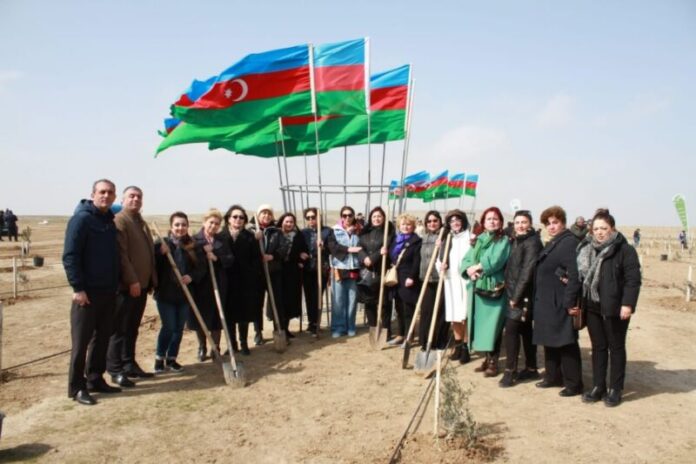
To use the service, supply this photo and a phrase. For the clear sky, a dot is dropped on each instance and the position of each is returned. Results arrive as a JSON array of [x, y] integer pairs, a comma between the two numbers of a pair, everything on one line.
[[577, 103]]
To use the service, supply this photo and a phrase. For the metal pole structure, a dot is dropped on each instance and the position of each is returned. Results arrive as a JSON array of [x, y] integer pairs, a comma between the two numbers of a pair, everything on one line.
[[14, 276], [302, 204], [306, 180], [369, 165], [345, 178], [316, 120], [407, 139], [381, 180], [280, 179]]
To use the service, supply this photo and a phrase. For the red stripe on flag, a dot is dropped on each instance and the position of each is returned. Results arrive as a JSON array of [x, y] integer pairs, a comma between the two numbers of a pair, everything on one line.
[[470, 185], [388, 98], [456, 183], [349, 77], [438, 181], [255, 87], [304, 120], [184, 100]]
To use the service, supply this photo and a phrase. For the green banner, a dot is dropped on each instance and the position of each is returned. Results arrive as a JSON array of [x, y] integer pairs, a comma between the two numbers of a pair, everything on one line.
[[680, 205]]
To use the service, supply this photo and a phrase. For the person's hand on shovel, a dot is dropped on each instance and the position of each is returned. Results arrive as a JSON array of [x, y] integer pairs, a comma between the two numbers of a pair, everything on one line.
[[208, 248]]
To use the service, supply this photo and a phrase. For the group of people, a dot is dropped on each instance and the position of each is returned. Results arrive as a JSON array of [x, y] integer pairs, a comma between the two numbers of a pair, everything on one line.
[[8, 220], [496, 286]]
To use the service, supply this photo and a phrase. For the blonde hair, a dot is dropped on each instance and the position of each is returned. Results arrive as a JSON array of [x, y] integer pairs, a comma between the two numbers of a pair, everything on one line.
[[409, 218], [213, 212]]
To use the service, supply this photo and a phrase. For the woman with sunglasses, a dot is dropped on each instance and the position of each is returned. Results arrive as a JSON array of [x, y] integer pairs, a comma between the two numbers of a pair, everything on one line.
[[454, 287], [172, 305], [484, 267], [310, 282], [210, 247], [343, 245], [244, 278], [433, 225], [610, 273], [519, 287], [294, 250], [370, 256], [404, 253]]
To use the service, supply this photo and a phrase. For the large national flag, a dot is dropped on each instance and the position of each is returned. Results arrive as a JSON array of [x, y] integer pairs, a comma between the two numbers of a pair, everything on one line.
[[437, 188], [195, 91], [169, 125], [263, 85], [185, 133], [680, 206], [416, 184], [394, 190], [341, 77], [471, 184], [456, 185]]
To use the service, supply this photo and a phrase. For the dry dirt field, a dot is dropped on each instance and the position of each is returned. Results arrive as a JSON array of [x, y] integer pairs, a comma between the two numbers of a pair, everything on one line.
[[334, 401]]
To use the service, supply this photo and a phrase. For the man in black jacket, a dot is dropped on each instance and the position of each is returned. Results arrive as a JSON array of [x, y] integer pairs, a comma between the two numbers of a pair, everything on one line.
[[91, 262]]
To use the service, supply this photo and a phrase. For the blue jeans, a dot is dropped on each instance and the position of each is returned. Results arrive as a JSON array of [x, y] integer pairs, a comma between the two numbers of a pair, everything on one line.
[[173, 317], [343, 306]]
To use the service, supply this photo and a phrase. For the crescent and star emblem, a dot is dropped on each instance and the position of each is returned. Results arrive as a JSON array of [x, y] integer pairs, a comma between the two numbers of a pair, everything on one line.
[[244, 90]]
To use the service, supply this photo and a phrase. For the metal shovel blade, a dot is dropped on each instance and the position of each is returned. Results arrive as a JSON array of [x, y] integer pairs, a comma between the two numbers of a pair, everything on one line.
[[425, 361], [235, 378], [378, 338], [407, 353], [280, 341]]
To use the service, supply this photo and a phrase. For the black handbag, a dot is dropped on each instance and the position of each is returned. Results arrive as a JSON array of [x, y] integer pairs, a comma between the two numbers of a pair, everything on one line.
[[485, 289], [368, 278]]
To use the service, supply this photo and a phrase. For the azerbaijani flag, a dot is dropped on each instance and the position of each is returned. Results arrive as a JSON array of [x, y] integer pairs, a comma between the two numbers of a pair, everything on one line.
[[455, 186], [416, 184], [261, 85], [340, 78], [169, 125], [471, 185], [195, 91], [437, 188], [394, 190]]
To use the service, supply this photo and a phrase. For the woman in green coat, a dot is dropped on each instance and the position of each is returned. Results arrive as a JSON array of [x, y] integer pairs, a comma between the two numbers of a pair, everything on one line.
[[483, 267]]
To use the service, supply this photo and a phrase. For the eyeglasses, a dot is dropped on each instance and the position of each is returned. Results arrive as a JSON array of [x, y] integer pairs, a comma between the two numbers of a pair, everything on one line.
[[236, 216], [454, 219], [431, 221], [346, 215], [309, 218]]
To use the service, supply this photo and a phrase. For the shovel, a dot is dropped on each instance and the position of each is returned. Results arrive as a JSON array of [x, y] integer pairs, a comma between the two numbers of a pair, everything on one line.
[[425, 361], [378, 337], [319, 279], [280, 338], [238, 374], [407, 345], [227, 371]]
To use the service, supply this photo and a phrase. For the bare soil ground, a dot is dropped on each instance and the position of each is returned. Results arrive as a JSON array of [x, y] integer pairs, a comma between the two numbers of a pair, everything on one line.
[[335, 401]]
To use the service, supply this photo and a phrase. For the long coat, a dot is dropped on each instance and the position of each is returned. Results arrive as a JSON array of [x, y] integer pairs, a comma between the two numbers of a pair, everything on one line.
[[455, 287], [553, 326], [371, 244], [244, 298], [519, 272], [291, 274], [486, 316], [409, 268]]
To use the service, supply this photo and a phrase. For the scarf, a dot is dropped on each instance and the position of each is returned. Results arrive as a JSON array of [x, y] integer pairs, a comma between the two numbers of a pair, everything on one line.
[[399, 244], [590, 258]]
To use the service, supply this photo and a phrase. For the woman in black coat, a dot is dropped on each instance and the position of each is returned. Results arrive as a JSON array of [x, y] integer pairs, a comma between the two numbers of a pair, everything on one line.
[[310, 282], [370, 257], [610, 274], [519, 287], [406, 246], [555, 296], [294, 253], [209, 247], [244, 278]]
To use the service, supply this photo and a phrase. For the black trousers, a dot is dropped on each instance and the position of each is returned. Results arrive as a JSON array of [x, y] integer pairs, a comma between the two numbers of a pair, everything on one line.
[[608, 337], [441, 328], [514, 330], [90, 329], [120, 356], [277, 285], [563, 363], [404, 315], [311, 290]]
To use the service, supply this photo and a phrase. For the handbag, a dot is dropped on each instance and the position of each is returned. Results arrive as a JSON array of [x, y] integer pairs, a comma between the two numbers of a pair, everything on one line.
[[487, 288], [391, 278], [368, 278], [579, 315]]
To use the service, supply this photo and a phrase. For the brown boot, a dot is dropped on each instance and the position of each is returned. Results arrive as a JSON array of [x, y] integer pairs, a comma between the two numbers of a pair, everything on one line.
[[483, 366], [492, 369]]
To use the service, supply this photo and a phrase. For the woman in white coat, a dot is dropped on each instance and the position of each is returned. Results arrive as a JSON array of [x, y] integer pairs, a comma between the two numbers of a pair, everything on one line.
[[454, 285]]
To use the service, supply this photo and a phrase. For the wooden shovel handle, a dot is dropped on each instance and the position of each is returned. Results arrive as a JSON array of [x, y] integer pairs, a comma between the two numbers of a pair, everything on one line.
[[382, 272], [438, 294], [269, 286], [218, 302], [319, 279]]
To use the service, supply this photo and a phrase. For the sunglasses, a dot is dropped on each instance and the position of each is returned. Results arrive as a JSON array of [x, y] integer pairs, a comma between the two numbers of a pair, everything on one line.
[[430, 221], [237, 216], [310, 217], [347, 215]]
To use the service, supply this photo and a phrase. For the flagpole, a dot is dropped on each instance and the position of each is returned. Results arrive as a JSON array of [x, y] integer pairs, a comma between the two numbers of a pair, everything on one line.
[[306, 179], [312, 86], [381, 180], [407, 139], [369, 134], [345, 175], [280, 177], [292, 205]]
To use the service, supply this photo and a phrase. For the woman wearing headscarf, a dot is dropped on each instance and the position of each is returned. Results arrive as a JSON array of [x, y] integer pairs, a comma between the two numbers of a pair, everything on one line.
[[172, 305], [555, 296], [525, 246], [433, 226], [310, 282], [455, 286], [243, 301], [210, 247], [610, 273], [484, 266], [371, 243], [404, 253], [343, 245], [294, 253]]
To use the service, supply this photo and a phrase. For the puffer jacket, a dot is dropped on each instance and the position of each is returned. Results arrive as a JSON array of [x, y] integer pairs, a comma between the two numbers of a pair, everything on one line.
[[519, 273]]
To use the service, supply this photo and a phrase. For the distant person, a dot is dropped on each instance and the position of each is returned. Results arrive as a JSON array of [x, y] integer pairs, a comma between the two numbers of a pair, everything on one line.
[[636, 238], [360, 219], [138, 278], [610, 273], [682, 240], [2, 224], [579, 228], [11, 223], [91, 262]]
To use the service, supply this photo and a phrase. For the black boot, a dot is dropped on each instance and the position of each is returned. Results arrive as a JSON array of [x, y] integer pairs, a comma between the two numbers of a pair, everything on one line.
[[245, 349], [457, 352], [466, 356]]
